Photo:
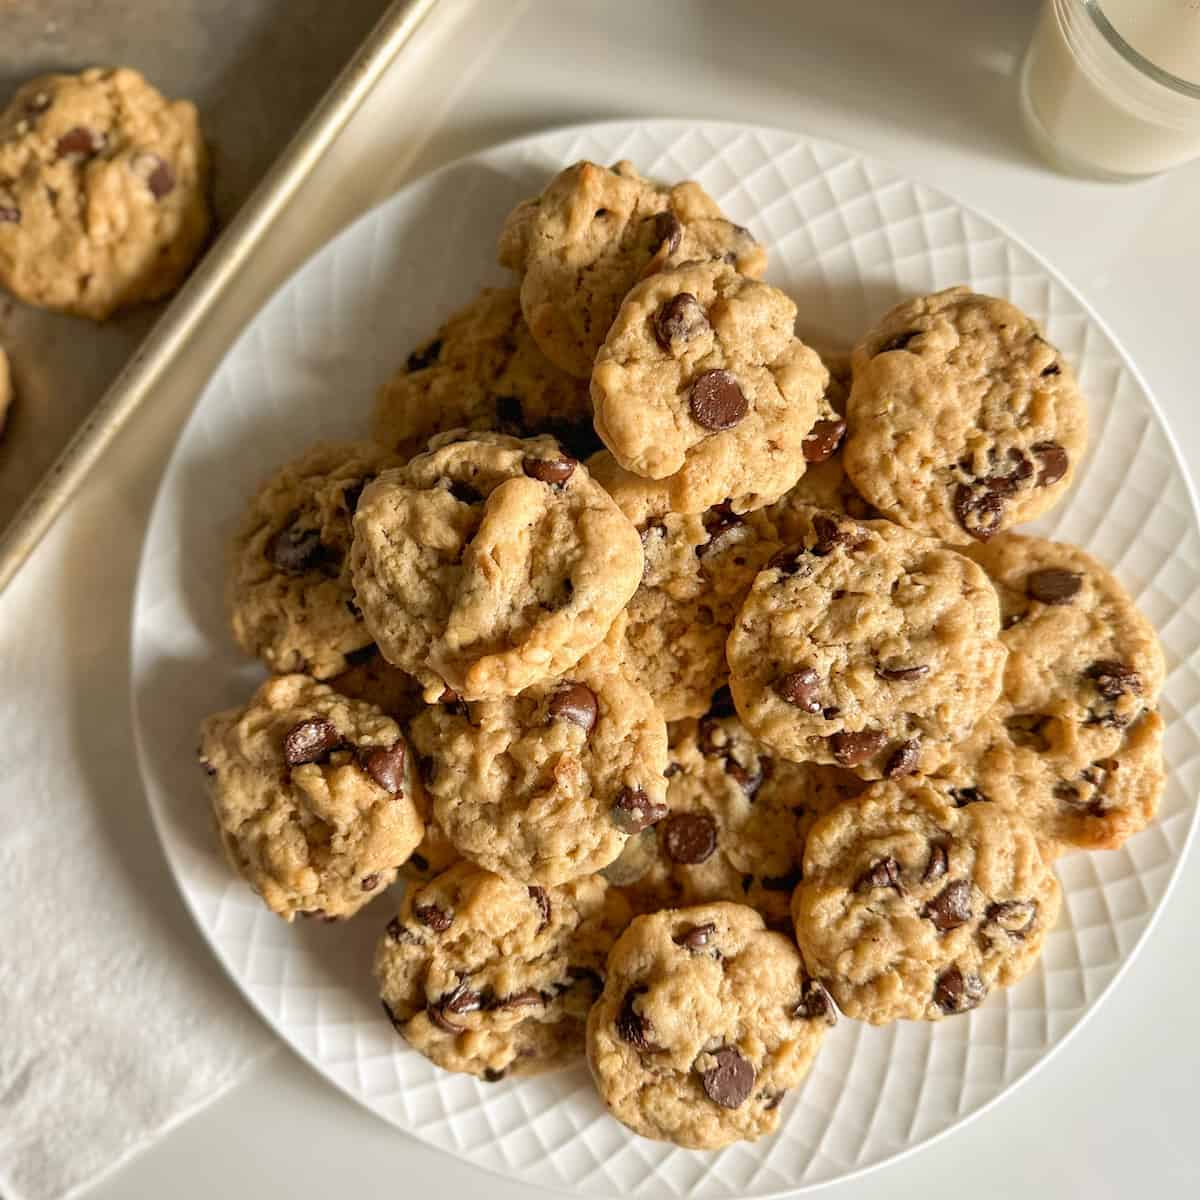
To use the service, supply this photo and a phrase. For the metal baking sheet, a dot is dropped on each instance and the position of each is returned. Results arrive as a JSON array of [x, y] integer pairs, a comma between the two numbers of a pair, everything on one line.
[[255, 68]]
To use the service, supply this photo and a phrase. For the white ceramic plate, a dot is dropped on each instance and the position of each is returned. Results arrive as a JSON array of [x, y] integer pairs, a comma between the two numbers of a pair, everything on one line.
[[847, 238]]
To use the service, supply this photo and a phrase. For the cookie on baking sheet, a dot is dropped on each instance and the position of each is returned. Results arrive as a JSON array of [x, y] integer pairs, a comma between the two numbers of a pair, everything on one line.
[[964, 420], [547, 785], [288, 590], [916, 901], [483, 370], [866, 646], [592, 234], [103, 192], [701, 382], [490, 564], [315, 797], [492, 977], [706, 1020]]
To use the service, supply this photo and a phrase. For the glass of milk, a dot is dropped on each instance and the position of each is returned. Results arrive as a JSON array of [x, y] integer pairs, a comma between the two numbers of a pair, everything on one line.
[[1111, 88]]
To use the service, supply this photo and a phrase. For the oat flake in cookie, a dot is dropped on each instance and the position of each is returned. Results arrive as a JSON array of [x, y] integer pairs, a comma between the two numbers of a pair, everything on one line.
[[592, 234], [492, 977], [964, 420], [483, 370], [916, 903], [490, 564], [290, 599], [103, 192], [547, 785], [701, 382], [866, 646], [315, 797], [706, 1020]]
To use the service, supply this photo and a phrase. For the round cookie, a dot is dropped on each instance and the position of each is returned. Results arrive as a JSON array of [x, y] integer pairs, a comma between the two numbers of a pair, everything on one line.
[[103, 192], [964, 420], [702, 382], [315, 797], [6, 391], [490, 564], [914, 908], [483, 370], [288, 590], [866, 646], [491, 977], [591, 235], [706, 1019], [547, 785]]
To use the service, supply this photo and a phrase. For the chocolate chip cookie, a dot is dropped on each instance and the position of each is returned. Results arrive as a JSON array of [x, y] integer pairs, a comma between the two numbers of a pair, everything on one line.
[[702, 381], [490, 564], [706, 1020], [592, 234], [315, 797], [964, 420], [915, 903], [483, 370], [288, 590], [103, 192], [547, 785], [493, 977], [866, 646]]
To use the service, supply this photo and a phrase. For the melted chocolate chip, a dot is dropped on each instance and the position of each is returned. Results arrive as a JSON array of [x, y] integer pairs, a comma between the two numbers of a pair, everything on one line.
[[1053, 585], [296, 548], [462, 1000], [1015, 917], [951, 907], [438, 919], [938, 864], [978, 510], [689, 837], [829, 535], [385, 765], [631, 1026], [904, 759], [967, 795], [161, 180], [882, 874], [1052, 369], [717, 520], [956, 993], [717, 400], [749, 780], [852, 749], [549, 470], [424, 356], [668, 231], [790, 562], [541, 898], [823, 439], [730, 1080], [816, 1004], [633, 810], [80, 140], [528, 998], [800, 688], [575, 702], [695, 937], [1053, 462], [902, 674], [1114, 679], [680, 319], [310, 741], [437, 1015]]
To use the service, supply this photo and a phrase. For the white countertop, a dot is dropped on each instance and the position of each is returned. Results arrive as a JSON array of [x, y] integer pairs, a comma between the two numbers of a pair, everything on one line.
[[930, 86]]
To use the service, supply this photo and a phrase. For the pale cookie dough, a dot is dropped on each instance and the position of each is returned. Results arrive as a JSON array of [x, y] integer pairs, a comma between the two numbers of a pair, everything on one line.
[[964, 420], [6, 391], [703, 383], [289, 594], [866, 646], [547, 785], [916, 903], [492, 977], [592, 234], [490, 564], [103, 192], [483, 370], [706, 1020], [315, 796]]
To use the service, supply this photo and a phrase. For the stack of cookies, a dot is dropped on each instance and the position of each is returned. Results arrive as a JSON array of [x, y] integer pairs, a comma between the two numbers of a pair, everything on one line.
[[691, 679]]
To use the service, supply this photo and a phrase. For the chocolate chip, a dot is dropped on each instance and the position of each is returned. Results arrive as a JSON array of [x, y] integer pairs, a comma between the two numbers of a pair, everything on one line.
[[823, 439], [800, 688], [575, 702], [369, 883], [492, 1075], [438, 919], [424, 356], [956, 993], [1053, 462], [717, 401], [549, 470], [385, 765], [161, 180], [851, 749], [464, 493], [902, 674], [631, 1026], [749, 780], [816, 1004], [783, 883], [541, 898], [462, 1000], [695, 937], [979, 510], [633, 810], [1114, 679], [967, 795], [884, 873], [296, 549], [1052, 369], [789, 562], [10, 214], [689, 838], [81, 141], [951, 907], [448, 696], [310, 741], [529, 998], [829, 535], [899, 342], [668, 229], [437, 1016], [680, 319], [774, 1100], [1053, 585], [938, 864], [1015, 917], [832, 711], [730, 1081], [717, 520], [904, 759]]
